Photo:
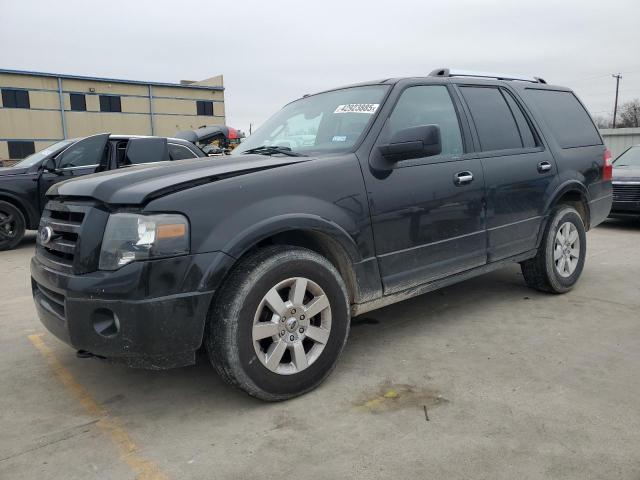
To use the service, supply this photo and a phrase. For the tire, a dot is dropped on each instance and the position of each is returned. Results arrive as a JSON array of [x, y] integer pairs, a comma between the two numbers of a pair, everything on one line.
[[246, 299], [548, 272], [12, 226]]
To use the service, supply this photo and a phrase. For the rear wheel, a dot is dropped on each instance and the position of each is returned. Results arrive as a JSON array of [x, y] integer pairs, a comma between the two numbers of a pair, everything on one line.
[[560, 259], [279, 323], [12, 226]]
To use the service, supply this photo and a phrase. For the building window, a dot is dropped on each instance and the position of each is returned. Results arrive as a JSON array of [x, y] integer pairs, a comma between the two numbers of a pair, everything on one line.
[[110, 103], [15, 98], [19, 150], [78, 102], [204, 108]]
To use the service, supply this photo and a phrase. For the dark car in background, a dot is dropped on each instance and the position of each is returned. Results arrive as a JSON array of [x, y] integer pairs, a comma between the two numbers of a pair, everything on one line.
[[626, 184], [343, 202], [24, 185]]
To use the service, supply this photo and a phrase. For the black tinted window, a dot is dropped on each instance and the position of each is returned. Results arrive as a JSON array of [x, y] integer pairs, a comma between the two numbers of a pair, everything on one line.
[[86, 152], [204, 108], [15, 98], [179, 152], [569, 121], [526, 134], [428, 105], [110, 103], [494, 121], [19, 150], [78, 102]]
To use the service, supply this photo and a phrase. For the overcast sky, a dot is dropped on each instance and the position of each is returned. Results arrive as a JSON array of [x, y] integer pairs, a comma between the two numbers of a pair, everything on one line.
[[271, 52]]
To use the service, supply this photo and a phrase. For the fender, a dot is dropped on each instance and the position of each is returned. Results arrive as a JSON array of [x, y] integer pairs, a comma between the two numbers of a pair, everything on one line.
[[244, 240], [225, 259], [31, 216], [566, 186]]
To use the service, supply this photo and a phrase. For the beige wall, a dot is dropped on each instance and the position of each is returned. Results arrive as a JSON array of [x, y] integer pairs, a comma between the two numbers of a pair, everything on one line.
[[24, 124], [80, 124], [174, 109], [27, 81], [85, 86]]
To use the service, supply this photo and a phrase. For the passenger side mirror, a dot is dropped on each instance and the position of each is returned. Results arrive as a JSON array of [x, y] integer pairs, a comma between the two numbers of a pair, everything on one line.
[[414, 142], [49, 165]]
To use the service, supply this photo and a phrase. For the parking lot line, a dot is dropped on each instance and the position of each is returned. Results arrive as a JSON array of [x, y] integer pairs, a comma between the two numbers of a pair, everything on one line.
[[143, 468]]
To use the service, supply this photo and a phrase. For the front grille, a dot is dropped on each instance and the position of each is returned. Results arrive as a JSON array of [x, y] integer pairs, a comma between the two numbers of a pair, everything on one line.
[[52, 301], [66, 222], [626, 192]]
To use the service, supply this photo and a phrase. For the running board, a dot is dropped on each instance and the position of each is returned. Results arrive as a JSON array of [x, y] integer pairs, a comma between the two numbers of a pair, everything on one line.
[[360, 308]]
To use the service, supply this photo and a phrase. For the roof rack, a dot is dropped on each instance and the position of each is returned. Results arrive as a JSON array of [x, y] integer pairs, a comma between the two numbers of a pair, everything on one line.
[[445, 72]]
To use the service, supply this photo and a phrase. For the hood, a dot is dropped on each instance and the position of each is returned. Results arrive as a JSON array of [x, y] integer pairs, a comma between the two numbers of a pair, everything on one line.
[[13, 171], [626, 174], [137, 185]]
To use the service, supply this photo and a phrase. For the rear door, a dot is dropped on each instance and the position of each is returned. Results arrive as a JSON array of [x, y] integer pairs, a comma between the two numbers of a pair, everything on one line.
[[84, 157], [519, 170], [427, 213]]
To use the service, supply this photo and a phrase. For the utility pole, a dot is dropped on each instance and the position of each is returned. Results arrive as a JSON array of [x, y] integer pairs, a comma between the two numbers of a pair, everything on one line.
[[615, 105]]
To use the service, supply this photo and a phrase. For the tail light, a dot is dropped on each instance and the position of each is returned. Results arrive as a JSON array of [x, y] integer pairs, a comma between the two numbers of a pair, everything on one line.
[[607, 170]]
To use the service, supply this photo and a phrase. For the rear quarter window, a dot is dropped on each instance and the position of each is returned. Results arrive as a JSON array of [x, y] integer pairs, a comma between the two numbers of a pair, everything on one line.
[[569, 121]]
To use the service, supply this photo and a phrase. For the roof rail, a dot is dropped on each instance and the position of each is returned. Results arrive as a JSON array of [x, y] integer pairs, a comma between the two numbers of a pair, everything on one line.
[[445, 72]]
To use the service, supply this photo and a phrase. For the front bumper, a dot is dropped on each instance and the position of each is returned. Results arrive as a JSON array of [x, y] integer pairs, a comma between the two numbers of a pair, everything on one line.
[[147, 314]]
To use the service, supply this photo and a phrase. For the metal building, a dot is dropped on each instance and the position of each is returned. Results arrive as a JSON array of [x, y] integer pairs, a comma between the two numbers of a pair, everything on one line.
[[38, 109]]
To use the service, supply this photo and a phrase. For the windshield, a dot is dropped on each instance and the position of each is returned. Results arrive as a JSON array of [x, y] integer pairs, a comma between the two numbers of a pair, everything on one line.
[[630, 158], [324, 123], [42, 154]]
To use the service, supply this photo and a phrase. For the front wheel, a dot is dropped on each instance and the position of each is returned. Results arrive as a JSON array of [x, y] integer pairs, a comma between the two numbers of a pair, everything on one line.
[[12, 226], [560, 259], [279, 323]]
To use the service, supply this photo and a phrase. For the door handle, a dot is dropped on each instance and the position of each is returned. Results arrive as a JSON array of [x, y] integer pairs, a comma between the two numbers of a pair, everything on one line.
[[463, 178], [544, 167]]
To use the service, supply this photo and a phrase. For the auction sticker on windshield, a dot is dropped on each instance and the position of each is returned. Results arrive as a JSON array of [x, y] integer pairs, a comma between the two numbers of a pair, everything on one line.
[[357, 108]]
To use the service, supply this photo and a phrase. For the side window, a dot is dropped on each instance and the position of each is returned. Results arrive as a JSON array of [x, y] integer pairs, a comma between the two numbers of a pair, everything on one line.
[[110, 103], [526, 134], [12, 98], [78, 102], [495, 124], [85, 153], [204, 107], [428, 105], [179, 152], [20, 149], [569, 121]]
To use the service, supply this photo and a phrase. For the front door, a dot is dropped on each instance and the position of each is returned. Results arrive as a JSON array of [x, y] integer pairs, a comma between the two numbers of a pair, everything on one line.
[[427, 214], [86, 156]]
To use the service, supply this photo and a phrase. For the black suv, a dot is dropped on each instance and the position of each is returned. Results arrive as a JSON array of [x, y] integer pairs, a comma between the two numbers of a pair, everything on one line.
[[23, 186], [342, 202]]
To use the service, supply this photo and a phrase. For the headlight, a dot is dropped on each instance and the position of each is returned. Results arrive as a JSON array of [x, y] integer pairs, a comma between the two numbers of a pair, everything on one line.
[[130, 237]]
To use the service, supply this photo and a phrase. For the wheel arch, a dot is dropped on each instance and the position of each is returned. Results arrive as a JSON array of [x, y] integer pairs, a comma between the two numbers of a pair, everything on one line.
[[28, 215], [308, 231], [571, 193]]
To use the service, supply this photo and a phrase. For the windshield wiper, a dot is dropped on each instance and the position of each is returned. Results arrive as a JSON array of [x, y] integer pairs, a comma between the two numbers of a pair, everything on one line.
[[272, 149]]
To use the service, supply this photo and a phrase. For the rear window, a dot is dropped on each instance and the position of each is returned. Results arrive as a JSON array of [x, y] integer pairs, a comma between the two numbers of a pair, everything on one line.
[[564, 114]]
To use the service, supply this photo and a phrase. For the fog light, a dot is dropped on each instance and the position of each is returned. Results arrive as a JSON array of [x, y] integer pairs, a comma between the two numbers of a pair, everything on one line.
[[105, 322]]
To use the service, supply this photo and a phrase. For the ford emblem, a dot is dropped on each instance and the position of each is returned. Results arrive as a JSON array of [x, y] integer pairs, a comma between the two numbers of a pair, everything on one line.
[[46, 234]]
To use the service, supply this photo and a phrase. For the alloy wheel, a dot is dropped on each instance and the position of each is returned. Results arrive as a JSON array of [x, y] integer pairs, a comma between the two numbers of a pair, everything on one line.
[[566, 249], [291, 326]]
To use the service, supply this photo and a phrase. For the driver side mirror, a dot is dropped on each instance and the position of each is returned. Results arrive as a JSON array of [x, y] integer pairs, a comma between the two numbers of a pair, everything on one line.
[[414, 142], [50, 165]]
